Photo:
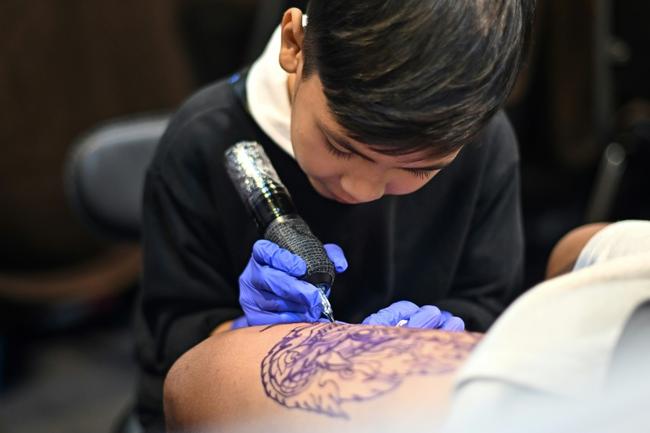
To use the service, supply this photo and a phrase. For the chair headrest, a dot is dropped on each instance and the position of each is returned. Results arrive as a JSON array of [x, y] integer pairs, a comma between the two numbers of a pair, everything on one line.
[[106, 171]]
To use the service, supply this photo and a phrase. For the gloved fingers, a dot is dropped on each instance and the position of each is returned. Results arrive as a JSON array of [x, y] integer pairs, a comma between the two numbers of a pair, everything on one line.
[[399, 310], [336, 255], [290, 288], [454, 324], [336, 322], [270, 254], [267, 301], [257, 315], [276, 318], [446, 315], [427, 317], [391, 315]]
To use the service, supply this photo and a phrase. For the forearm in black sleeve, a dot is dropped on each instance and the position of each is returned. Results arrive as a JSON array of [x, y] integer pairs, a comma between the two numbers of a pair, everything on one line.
[[186, 291]]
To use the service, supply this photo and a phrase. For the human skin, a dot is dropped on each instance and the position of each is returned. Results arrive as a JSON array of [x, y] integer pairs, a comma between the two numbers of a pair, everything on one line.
[[351, 175], [566, 252], [331, 377], [221, 381], [337, 166]]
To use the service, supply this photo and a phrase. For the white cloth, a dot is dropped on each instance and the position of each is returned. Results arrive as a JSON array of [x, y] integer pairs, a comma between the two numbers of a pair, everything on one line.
[[620, 239], [555, 342], [268, 97]]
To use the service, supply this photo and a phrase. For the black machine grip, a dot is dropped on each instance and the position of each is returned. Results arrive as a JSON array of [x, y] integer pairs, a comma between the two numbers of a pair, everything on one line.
[[293, 234]]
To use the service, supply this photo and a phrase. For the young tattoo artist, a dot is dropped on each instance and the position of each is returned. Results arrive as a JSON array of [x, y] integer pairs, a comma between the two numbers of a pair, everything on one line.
[[382, 118], [353, 378]]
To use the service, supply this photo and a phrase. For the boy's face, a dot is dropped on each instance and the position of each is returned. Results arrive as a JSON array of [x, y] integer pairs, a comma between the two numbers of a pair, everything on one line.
[[338, 167], [343, 169]]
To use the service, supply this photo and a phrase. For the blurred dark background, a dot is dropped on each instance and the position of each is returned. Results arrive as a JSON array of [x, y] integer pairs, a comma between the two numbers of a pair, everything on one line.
[[581, 110]]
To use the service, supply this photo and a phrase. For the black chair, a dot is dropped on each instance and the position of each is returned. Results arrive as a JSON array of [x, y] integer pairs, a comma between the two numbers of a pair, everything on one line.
[[105, 174], [104, 180]]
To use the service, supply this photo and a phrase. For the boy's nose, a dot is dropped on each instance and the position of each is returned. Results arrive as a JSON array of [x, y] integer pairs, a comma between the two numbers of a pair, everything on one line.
[[361, 189]]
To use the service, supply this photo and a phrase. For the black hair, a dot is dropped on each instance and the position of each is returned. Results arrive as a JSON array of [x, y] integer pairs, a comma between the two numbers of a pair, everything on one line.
[[416, 75]]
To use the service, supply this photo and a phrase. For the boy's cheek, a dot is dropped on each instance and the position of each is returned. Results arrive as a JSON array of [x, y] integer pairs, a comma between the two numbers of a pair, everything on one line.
[[317, 165]]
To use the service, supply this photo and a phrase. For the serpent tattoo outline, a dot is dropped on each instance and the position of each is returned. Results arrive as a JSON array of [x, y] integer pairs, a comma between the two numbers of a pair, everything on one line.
[[319, 368]]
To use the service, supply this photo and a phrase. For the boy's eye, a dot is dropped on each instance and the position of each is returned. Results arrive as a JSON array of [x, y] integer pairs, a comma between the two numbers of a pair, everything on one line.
[[420, 173], [336, 152]]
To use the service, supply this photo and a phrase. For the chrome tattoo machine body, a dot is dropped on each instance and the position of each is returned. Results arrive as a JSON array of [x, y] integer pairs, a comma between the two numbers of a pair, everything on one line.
[[268, 200]]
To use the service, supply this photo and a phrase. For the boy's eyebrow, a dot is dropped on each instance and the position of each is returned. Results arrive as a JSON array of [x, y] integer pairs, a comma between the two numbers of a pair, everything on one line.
[[347, 146]]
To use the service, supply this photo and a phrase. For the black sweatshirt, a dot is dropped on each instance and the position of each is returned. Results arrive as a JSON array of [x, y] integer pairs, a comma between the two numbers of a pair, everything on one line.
[[456, 243]]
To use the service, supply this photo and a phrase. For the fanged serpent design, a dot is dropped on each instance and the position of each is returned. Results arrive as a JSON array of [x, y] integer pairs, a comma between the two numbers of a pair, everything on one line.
[[318, 368]]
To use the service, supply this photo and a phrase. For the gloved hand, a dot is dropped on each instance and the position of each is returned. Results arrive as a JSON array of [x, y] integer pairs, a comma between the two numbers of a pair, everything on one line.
[[425, 317], [270, 291]]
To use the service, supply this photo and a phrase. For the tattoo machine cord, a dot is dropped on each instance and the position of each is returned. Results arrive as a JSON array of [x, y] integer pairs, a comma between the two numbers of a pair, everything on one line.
[[270, 204]]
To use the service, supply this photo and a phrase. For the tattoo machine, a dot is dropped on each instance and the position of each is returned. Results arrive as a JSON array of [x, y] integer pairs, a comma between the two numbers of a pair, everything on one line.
[[268, 200]]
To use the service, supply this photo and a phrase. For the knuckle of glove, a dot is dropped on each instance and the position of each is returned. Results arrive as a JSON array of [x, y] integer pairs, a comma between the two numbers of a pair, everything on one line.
[[263, 250], [428, 317], [381, 318], [455, 324], [370, 320]]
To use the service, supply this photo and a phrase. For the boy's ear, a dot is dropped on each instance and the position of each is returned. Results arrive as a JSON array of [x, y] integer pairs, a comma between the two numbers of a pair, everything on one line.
[[293, 35]]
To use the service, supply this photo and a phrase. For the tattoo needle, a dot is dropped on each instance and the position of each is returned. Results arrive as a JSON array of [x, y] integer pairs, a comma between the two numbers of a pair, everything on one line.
[[327, 307]]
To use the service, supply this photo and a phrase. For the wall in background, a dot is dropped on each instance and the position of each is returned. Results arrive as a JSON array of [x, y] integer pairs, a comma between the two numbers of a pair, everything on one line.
[[67, 65]]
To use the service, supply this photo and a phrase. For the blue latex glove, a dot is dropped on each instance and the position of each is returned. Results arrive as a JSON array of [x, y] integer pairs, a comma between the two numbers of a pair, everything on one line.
[[425, 317], [239, 322], [271, 292]]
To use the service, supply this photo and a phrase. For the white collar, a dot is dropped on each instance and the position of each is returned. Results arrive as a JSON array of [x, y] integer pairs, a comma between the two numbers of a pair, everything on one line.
[[268, 97]]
